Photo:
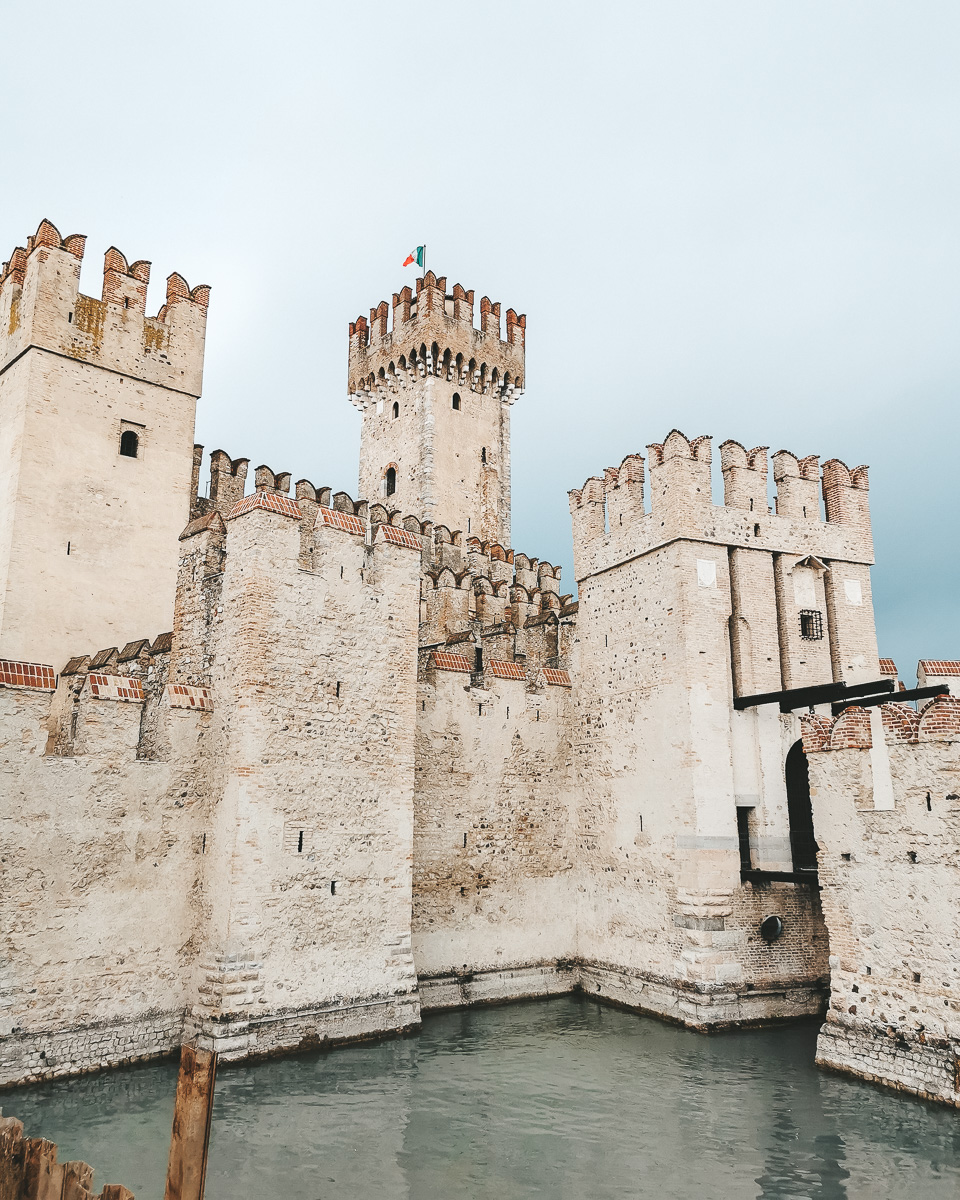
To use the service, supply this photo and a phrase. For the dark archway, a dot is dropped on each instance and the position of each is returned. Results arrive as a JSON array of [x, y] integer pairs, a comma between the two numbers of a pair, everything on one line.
[[391, 481], [129, 444], [803, 845]]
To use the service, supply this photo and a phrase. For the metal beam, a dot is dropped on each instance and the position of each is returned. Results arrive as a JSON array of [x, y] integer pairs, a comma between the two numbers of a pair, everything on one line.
[[805, 697], [925, 693], [755, 876], [823, 693]]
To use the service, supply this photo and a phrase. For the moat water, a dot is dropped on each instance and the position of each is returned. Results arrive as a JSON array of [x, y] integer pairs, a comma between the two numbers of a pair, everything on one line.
[[558, 1098]]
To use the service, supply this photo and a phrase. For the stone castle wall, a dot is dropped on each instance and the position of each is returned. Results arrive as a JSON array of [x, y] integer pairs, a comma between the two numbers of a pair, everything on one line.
[[102, 879], [494, 880], [206, 825], [886, 795], [381, 763]]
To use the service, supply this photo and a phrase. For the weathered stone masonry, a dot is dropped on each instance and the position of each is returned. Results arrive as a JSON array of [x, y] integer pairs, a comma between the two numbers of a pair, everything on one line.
[[381, 764], [887, 812]]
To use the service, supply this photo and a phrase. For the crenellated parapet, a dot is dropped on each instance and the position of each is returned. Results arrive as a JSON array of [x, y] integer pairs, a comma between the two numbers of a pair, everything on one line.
[[613, 518], [936, 721], [41, 306], [483, 584], [431, 333], [744, 476]]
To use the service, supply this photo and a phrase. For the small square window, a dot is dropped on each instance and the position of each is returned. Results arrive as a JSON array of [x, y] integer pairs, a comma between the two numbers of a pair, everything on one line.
[[811, 624]]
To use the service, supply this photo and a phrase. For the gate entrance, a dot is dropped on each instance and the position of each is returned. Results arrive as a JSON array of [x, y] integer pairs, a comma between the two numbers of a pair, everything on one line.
[[803, 845]]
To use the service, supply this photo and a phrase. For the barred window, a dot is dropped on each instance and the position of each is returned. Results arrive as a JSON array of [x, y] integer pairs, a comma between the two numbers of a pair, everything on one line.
[[811, 624]]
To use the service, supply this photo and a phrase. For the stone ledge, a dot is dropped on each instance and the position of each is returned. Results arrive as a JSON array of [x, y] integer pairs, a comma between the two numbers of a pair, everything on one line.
[[930, 1071]]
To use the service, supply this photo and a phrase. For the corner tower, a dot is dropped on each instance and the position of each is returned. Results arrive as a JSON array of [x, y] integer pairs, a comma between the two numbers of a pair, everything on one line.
[[97, 408], [435, 394]]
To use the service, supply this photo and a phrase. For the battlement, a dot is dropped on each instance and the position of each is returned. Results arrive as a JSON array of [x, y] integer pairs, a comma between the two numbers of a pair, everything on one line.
[[612, 517], [41, 306], [485, 587], [936, 721], [432, 333]]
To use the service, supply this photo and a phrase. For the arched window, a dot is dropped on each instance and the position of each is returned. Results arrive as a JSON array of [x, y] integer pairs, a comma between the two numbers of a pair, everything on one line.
[[129, 443], [391, 480], [456, 401], [803, 845], [396, 410], [483, 454]]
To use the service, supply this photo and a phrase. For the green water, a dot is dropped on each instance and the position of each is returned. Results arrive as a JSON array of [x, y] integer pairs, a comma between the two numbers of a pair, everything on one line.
[[557, 1098]]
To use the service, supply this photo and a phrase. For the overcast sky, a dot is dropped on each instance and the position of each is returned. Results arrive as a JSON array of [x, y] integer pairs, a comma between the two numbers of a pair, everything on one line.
[[736, 217]]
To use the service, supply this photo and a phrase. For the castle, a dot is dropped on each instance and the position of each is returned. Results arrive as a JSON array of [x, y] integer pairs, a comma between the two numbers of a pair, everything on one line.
[[282, 768]]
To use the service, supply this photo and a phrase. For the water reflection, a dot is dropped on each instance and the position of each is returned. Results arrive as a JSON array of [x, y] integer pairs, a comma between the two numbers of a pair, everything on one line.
[[559, 1098]]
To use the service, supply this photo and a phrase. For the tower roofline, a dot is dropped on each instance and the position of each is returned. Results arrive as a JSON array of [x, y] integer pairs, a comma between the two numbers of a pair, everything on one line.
[[432, 332]]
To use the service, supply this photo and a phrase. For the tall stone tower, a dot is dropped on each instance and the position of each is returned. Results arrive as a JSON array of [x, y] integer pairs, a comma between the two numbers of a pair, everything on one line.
[[435, 394], [97, 408]]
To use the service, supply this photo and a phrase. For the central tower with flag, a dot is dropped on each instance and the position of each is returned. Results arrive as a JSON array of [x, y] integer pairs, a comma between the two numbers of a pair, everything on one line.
[[435, 394]]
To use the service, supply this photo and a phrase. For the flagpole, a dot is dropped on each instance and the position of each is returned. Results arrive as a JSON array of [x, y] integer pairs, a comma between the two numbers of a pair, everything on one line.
[[424, 263]]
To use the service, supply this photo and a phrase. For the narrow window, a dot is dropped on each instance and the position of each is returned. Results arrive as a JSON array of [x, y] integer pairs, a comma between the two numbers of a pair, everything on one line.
[[508, 711], [479, 710], [333, 887], [300, 842], [203, 845], [456, 401], [756, 531], [483, 454], [478, 658], [69, 318], [68, 551], [129, 443], [126, 302], [929, 805], [396, 410], [338, 689], [811, 624], [751, 504], [391, 480], [464, 841]]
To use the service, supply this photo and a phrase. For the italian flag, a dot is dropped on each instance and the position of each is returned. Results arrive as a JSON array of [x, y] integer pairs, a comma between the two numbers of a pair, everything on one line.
[[415, 256]]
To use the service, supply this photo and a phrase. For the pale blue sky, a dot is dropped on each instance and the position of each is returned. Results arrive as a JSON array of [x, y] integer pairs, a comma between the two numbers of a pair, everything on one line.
[[737, 217]]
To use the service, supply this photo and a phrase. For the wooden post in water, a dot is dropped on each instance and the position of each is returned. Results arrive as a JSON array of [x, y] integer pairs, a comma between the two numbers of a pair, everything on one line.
[[190, 1141]]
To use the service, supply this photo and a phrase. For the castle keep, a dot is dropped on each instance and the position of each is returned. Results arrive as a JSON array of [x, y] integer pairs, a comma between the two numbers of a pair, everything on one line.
[[289, 767]]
